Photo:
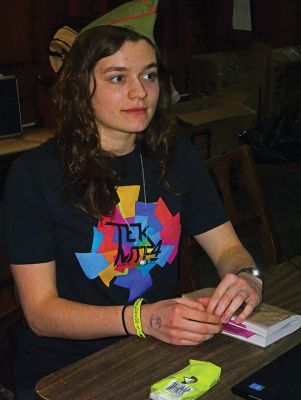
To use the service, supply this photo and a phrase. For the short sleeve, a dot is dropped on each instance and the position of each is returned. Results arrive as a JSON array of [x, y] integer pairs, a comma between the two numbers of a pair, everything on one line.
[[202, 206], [26, 228]]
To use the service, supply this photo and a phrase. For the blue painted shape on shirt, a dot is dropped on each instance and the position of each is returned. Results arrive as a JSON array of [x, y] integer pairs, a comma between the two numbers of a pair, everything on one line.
[[141, 219], [151, 231], [149, 210], [97, 239], [92, 263], [135, 282], [155, 236], [145, 209], [166, 251], [154, 223], [147, 267]]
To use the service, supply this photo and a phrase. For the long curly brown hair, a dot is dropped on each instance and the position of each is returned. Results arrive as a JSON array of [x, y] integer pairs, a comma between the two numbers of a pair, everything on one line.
[[90, 180]]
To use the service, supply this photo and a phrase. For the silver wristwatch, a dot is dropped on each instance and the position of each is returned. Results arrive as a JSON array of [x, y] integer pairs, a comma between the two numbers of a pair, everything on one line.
[[252, 271]]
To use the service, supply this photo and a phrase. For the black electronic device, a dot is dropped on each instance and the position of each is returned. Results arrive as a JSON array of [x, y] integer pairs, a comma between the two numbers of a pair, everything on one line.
[[278, 380]]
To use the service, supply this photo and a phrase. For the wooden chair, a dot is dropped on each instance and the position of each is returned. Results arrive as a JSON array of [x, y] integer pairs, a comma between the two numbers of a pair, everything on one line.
[[231, 170], [10, 316]]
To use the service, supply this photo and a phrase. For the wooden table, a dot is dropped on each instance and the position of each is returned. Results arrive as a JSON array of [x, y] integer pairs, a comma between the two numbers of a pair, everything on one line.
[[127, 369], [27, 141]]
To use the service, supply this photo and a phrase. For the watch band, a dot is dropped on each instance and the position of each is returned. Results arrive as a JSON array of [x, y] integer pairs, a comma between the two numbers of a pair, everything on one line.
[[252, 271]]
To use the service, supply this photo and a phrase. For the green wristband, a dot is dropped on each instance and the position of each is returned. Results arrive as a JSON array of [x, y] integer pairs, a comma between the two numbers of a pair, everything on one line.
[[137, 317]]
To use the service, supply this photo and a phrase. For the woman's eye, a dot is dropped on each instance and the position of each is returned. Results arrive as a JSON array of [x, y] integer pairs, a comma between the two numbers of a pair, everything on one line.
[[117, 79], [150, 76]]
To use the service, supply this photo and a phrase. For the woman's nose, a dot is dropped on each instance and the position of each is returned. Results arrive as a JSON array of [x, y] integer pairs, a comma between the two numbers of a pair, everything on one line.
[[137, 89]]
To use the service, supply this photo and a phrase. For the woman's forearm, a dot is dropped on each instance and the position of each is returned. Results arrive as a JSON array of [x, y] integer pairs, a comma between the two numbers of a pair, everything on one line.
[[57, 317]]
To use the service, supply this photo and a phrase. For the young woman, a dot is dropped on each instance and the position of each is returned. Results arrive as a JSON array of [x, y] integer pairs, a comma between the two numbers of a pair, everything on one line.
[[91, 220]]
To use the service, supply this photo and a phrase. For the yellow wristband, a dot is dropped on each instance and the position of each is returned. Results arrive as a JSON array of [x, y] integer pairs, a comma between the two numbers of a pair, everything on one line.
[[137, 317]]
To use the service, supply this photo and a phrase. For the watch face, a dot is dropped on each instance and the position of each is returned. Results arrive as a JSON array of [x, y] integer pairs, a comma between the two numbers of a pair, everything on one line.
[[250, 270]]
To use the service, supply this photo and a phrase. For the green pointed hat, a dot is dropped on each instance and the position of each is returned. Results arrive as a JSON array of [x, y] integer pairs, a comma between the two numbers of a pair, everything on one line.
[[136, 15]]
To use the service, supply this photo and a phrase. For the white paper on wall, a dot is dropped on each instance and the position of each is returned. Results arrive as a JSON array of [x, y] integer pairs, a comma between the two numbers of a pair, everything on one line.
[[241, 19]]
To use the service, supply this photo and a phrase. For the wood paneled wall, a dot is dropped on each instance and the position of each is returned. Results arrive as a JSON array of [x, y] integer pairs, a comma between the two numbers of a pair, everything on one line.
[[184, 27]]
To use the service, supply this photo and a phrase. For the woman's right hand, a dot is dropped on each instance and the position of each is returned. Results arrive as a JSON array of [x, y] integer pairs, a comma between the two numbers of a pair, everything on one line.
[[179, 321]]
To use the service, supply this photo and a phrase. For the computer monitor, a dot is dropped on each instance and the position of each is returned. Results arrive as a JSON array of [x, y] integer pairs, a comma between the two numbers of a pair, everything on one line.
[[10, 114]]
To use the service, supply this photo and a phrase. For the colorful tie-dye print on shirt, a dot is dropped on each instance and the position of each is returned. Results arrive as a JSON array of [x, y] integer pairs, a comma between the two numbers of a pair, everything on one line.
[[127, 246]]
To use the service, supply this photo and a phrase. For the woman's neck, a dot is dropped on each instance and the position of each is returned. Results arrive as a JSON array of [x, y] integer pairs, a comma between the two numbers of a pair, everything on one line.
[[118, 145]]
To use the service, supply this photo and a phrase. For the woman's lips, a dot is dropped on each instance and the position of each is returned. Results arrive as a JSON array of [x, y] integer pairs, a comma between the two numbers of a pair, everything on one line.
[[135, 111]]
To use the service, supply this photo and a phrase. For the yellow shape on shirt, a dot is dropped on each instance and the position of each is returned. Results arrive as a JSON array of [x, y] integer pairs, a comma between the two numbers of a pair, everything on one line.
[[128, 196], [107, 274]]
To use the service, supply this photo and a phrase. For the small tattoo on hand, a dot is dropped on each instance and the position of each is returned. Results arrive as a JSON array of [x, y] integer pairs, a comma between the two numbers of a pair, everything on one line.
[[155, 322]]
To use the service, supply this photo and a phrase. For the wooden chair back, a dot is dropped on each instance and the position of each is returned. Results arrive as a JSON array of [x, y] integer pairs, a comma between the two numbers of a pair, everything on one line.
[[241, 163], [230, 171]]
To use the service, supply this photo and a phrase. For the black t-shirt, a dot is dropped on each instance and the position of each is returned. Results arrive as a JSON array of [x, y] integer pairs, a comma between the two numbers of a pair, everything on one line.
[[109, 262]]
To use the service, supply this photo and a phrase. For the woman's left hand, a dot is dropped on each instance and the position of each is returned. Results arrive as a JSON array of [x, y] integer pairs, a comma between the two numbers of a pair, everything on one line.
[[232, 292]]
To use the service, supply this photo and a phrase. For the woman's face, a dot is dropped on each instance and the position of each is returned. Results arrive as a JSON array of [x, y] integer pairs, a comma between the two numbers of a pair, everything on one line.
[[126, 92]]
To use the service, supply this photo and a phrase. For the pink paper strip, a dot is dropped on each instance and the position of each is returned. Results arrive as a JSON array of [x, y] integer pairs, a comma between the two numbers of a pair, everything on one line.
[[237, 330]]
